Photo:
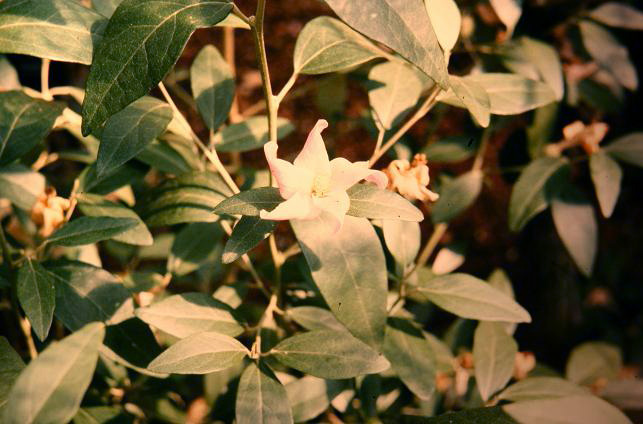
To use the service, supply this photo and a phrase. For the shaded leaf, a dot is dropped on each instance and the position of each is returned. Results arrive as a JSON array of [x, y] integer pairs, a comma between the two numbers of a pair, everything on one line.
[[37, 296], [68, 366], [396, 89], [97, 206], [606, 175], [402, 240], [185, 314], [593, 360], [618, 15], [469, 297], [212, 86], [456, 196], [470, 95], [250, 134], [165, 158], [566, 410], [402, 25], [129, 131], [626, 394], [411, 356], [131, 343], [328, 45], [310, 396], [128, 55], [194, 246], [533, 388], [11, 365], [369, 201], [329, 354], [200, 353], [21, 185], [530, 196], [628, 148], [451, 149], [494, 354], [315, 318], [250, 202], [91, 229], [493, 415], [349, 269], [261, 398], [60, 30], [248, 232], [24, 122]]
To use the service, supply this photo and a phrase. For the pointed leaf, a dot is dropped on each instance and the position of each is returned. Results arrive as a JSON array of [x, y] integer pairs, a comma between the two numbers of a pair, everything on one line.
[[472, 96], [212, 86], [329, 354], [469, 297], [196, 245], [200, 353], [21, 185], [566, 410], [250, 202], [132, 344], [350, 270], [183, 315], [261, 398], [91, 229], [494, 355], [368, 201], [250, 134], [11, 365], [402, 25], [142, 41], [60, 30], [328, 45], [411, 356], [456, 196], [446, 20], [68, 366], [396, 90], [310, 396], [402, 240], [314, 318], [130, 130], [592, 361], [37, 296], [606, 175], [533, 388], [24, 122], [618, 15], [248, 232], [628, 148], [97, 206], [509, 12]]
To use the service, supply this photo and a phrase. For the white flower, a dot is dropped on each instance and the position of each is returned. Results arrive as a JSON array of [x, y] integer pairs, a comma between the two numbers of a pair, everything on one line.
[[313, 184]]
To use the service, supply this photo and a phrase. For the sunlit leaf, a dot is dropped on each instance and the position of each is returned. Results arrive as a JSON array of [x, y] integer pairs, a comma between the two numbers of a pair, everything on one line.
[[310, 396], [248, 232], [606, 175], [628, 148], [620, 15], [494, 354], [566, 410], [402, 240], [396, 90], [593, 360], [261, 398], [142, 41], [21, 185], [470, 95], [250, 202], [315, 318], [61, 30], [37, 296], [368, 201], [509, 12], [533, 388], [451, 149], [446, 20]]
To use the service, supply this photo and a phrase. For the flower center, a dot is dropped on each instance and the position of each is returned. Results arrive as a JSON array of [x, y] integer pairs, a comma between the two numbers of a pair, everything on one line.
[[321, 185]]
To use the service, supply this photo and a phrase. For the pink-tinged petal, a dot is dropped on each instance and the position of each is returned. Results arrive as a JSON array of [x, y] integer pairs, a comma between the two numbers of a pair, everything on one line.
[[290, 179], [299, 206], [314, 155], [345, 174], [335, 206]]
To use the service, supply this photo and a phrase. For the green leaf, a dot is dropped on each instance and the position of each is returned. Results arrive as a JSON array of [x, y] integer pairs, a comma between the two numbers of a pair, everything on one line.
[[593, 360], [189, 198], [261, 398], [250, 134], [91, 229], [329, 354], [11, 365], [494, 355], [451, 149], [248, 232], [606, 175], [534, 388], [350, 270], [200, 353], [541, 130], [86, 294], [24, 122], [402, 25], [411, 356], [250, 202], [328, 45], [164, 157], [60, 30], [131, 343], [97, 206], [314, 318], [493, 415], [576, 225], [628, 148], [402, 240], [470, 95], [183, 315], [106, 7], [456, 196], [127, 174], [566, 410], [21, 185], [618, 15], [310, 396], [369, 201], [194, 246], [446, 20], [530, 195], [212, 86], [536, 60], [128, 132], [37, 296], [511, 94], [142, 41], [396, 89], [469, 297], [626, 394], [232, 294], [68, 366]]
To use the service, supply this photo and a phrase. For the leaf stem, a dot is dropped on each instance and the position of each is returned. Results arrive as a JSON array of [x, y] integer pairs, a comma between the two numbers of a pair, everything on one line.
[[286, 88], [44, 80]]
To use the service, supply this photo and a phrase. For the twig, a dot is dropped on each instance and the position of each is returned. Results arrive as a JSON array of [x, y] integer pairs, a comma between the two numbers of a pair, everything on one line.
[[44, 79]]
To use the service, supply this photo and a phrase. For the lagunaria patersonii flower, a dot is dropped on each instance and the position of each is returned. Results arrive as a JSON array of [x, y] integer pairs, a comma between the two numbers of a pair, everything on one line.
[[313, 184], [411, 180], [49, 212]]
